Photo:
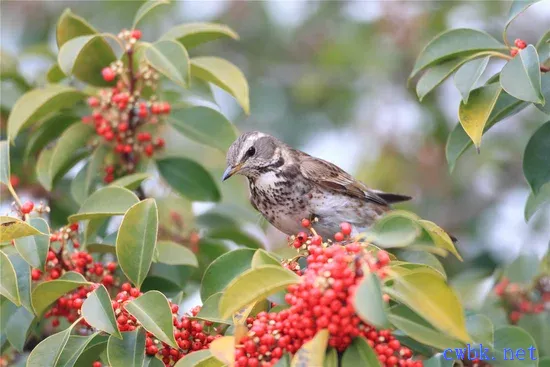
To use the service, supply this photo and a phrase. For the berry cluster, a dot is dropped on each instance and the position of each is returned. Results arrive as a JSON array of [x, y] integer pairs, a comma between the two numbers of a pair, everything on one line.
[[69, 306], [519, 300], [122, 118], [520, 45]]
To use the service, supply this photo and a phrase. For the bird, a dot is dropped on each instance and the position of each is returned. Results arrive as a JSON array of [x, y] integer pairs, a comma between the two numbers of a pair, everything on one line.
[[288, 185]]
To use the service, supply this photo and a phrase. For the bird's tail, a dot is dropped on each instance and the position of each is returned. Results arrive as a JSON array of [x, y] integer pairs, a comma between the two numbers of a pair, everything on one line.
[[392, 198]]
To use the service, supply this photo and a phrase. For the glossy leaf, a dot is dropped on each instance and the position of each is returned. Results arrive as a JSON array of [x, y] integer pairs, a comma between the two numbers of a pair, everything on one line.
[[44, 162], [146, 8], [34, 249], [136, 240], [467, 76], [253, 285], [262, 257], [204, 125], [96, 347], [396, 229], [46, 293], [170, 59], [543, 48], [152, 310], [435, 76], [535, 202], [508, 340], [5, 162], [130, 351], [475, 115], [48, 351], [8, 285], [38, 103], [70, 26], [223, 270], [210, 310], [312, 353], [191, 359], [455, 43], [189, 179], [132, 181], [85, 57], [225, 75], [55, 74], [536, 160], [84, 182], [47, 131], [106, 202], [520, 77], [368, 302], [359, 353], [98, 312], [175, 254], [194, 34], [75, 346], [23, 274], [421, 257], [13, 228], [440, 238], [18, 327]]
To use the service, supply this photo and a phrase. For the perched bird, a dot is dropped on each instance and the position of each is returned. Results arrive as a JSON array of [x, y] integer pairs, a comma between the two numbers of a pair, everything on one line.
[[288, 185]]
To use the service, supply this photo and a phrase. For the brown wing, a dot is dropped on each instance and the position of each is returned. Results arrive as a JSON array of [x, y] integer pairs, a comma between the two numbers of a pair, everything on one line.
[[334, 178]]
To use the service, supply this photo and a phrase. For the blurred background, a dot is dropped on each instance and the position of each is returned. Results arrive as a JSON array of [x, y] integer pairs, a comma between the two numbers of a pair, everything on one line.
[[330, 78]]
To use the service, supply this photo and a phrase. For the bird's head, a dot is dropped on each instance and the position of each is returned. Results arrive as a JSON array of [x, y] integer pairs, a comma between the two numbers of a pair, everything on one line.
[[251, 153]]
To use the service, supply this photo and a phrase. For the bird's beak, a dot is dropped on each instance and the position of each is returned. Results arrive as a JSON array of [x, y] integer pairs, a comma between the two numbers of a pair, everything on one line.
[[230, 171]]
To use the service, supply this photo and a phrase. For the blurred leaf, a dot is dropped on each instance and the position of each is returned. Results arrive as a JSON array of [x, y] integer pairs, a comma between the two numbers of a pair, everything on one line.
[[85, 57], [359, 353], [223, 270], [23, 274], [368, 302], [545, 89], [480, 328], [136, 240], [467, 76], [543, 48], [440, 238], [34, 249], [520, 77], [74, 348], [428, 295], [439, 361], [55, 74], [5, 162], [419, 329], [284, 361], [189, 179], [13, 228], [18, 328], [132, 181], [175, 254], [171, 60], [153, 362], [523, 269], [435, 76], [48, 131], [536, 160], [193, 34], [473, 287], [48, 351], [262, 257], [46, 293], [84, 182], [97, 310], [130, 348], [508, 340], [105, 202], [396, 228], [253, 285], [39, 103], [8, 285], [236, 235], [70, 26], [331, 358], [517, 7], [204, 125], [544, 362], [45, 161], [146, 8], [153, 311], [534, 203], [537, 326], [421, 257], [191, 359], [455, 43], [312, 353], [224, 349], [210, 310], [225, 75], [475, 115]]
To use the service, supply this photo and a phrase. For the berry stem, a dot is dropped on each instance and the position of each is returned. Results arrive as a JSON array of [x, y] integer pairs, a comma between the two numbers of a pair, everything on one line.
[[14, 194]]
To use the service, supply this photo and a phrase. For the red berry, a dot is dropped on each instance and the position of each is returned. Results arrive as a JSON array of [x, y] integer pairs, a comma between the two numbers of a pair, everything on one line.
[[339, 236], [346, 228], [123, 126], [36, 274], [514, 51], [152, 350], [128, 148], [134, 292], [108, 74], [109, 135], [112, 267], [77, 303], [149, 150], [136, 33], [51, 255], [27, 207], [306, 223], [55, 322], [93, 101], [107, 280], [143, 112], [521, 44], [54, 274], [97, 364], [126, 287], [108, 178], [14, 181], [160, 142], [175, 308], [383, 257], [74, 227], [317, 240]]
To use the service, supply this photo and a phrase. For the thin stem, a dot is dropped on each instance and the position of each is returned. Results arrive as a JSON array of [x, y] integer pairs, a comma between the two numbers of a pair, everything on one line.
[[14, 194], [498, 54]]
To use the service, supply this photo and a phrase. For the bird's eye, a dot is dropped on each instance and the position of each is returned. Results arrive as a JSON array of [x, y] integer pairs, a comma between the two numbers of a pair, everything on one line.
[[251, 151]]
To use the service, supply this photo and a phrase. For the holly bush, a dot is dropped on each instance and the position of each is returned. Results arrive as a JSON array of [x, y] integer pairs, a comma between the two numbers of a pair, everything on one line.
[[104, 285]]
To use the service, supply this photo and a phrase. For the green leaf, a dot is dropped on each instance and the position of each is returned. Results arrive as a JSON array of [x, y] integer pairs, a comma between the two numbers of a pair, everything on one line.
[[428, 295], [359, 353], [153, 312], [204, 125], [543, 48], [254, 285], [146, 8], [96, 348], [436, 75], [475, 115], [8, 285], [70, 26], [534, 203], [194, 34], [84, 182], [312, 353], [419, 329], [262, 257], [5, 162], [34, 249], [458, 141], [440, 238], [175, 254], [48, 131], [74, 138], [545, 89], [544, 362], [98, 312], [537, 326], [38, 103], [74, 348], [425, 258], [170, 59], [467, 76], [368, 302], [520, 77], [13, 228], [153, 362], [225, 75], [45, 161], [223, 270], [55, 74], [331, 358], [189, 179], [105, 202], [473, 287], [455, 43], [235, 234], [439, 361], [85, 57], [536, 160], [397, 228], [210, 310], [517, 7], [23, 274], [284, 361], [136, 240], [18, 328], [480, 328], [523, 269], [48, 351], [130, 351], [46, 293], [191, 359], [508, 340], [131, 182]]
